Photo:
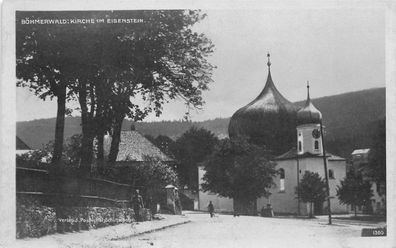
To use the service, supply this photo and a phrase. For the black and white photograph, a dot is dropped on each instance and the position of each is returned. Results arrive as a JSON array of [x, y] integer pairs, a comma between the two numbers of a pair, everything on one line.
[[180, 125]]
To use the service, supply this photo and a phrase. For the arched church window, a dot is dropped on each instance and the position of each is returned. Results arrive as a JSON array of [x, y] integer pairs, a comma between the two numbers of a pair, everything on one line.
[[299, 146], [316, 145], [282, 179], [331, 174]]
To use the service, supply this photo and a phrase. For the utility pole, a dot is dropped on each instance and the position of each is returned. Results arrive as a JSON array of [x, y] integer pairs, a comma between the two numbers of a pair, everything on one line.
[[326, 172], [298, 184]]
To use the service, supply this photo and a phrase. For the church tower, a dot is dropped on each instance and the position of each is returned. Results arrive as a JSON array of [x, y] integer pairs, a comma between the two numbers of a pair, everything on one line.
[[309, 139]]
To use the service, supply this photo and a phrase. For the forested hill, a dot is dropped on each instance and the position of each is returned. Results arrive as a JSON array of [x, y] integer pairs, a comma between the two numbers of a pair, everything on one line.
[[350, 120]]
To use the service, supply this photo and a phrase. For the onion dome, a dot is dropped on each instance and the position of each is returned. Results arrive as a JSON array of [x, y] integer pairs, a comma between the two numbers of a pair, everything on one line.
[[269, 120], [309, 114]]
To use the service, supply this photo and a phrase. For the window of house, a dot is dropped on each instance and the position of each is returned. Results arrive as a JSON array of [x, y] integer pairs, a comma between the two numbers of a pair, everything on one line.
[[331, 174], [282, 179], [316, 145], [299, 146]]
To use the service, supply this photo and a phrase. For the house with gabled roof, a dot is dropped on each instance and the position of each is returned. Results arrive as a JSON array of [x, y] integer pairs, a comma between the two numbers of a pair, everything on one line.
[[21, 147], [134, 148]]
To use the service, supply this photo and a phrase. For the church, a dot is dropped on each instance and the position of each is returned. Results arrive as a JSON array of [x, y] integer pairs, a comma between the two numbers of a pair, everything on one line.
[[293, 135]]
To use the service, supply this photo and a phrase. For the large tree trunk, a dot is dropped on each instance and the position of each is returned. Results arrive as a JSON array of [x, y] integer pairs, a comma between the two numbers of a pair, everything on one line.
[[87, 132], [100, 154], [245, 206], [102, 127], [116, 138], [60, 125], [56, 172]]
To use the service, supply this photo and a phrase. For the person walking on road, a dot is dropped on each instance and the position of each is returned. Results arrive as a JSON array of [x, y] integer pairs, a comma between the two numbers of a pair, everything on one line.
[[137, 202], [211, 209]]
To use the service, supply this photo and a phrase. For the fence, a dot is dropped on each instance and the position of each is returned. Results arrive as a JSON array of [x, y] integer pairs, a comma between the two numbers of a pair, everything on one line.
[[72, 190]]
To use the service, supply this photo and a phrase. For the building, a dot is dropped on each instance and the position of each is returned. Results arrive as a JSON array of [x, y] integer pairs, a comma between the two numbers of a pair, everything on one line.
[[134, 148], [360, 161], [293, 135], [21, 147], [268, 121]]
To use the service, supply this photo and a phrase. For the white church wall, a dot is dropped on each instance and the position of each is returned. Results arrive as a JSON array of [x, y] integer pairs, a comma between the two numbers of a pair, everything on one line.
[[304, 134], [221, 204], [283, 202], [339, 169]]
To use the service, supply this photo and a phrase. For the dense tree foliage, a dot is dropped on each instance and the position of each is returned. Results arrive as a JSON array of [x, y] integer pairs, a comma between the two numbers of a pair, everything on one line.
[[164, 143], [239, 170], [150, 177], [354, 190], [376, 168], [43, 65], [153, 175], [110, 69], [41, 158], [312, 189], [190, 150]]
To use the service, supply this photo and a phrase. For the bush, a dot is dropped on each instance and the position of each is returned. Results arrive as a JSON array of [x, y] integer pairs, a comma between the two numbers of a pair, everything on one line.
[[33, 219]]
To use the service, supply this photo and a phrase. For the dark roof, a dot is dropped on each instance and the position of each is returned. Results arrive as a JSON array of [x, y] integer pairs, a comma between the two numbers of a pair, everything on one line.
[[269, 100], [309, 113], [135, 147], [20, 145], [261, 119], [292, 154]]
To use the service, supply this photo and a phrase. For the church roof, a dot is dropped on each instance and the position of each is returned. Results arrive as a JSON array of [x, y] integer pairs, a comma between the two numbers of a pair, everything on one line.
[[135, 147], [262, 118], [309, 113], [292, 154], [270, 99]]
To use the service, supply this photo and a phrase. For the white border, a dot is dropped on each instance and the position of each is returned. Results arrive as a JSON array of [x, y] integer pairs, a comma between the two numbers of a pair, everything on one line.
[[8, 96]]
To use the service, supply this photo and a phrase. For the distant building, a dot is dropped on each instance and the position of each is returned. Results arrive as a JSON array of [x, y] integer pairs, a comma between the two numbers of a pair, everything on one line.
[[360, 162], [360, 157], [270, 120], [21, 147]]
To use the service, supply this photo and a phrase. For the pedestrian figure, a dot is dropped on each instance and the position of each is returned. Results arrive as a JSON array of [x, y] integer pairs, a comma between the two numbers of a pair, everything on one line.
[[137, 202], [178, 206], [211, 209]]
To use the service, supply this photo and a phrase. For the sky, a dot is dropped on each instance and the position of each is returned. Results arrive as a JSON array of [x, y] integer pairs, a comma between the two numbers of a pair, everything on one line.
[[338, 50]]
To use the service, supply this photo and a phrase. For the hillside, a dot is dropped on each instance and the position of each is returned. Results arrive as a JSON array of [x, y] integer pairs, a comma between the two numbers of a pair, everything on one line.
[[350, 119]]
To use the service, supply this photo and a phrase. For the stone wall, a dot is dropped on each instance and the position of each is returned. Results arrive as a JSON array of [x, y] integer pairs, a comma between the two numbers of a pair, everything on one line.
[[35, 219]]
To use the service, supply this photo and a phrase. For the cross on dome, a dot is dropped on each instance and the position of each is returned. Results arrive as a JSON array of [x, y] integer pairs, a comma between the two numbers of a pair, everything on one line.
[[308, 90]]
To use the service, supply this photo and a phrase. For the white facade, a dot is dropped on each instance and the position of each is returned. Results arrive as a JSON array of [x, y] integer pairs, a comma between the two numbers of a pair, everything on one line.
[[306, 142], [286, 202], [283, 198], [221, 204]]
